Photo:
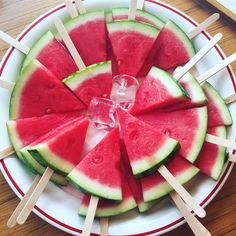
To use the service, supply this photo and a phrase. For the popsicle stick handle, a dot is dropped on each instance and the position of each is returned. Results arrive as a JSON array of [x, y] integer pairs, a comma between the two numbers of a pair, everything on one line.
[[12, 220], [220, 141], [230, 99], [189, 200], [201, 27], [71, 8], [14, 43], [132, 9], [90, 216], [140, 4], [6, 152], [203, 77], [34, 196], [197, 57], [196, 226], [232, 158], [6, 84], [104, 223], [69, 44], [80, 6]]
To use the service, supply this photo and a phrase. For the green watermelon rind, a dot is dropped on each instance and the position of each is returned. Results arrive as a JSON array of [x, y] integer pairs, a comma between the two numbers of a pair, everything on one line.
[[162, 190], [147, 15], [187, 43], [133, 26], [82, 19], [92, 187], [37, 47], [198, 97], [143, 166], [76, 79], [123, 207], [42, 154], [146, 206], [108, 17], [219, 102]]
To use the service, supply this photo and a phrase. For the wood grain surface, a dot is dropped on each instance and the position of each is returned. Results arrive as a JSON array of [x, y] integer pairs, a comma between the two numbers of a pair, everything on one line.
[[15, 15]]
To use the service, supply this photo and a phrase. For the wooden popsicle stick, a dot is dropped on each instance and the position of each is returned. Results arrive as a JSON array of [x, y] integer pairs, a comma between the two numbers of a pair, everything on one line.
[[71, 8], [230, 99], [80, 6], [201, 27], [140, 4], [203, 77], [12, 220], [35, 196], [14, 43], [196, 226], [132, 9], [90, 216], [232, 158], [6, 152], [189, 200], [68, 42], [197, 57], [6, 84], [104, 226], [220, 141]]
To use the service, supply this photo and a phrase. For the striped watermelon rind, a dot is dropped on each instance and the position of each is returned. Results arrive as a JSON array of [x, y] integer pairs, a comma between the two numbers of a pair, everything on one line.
[[121, 11]]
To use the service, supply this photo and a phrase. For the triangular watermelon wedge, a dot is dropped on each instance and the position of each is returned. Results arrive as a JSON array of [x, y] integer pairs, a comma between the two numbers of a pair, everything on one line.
[[131, 42], [122, 13], [155, 186], [61, 148], [159, 89], [106, 208], [99, 172], [38, 92], [52, 55], [188, 126], [212, 157], [218, 112], [88, 33], [147, 148], [93, 81]]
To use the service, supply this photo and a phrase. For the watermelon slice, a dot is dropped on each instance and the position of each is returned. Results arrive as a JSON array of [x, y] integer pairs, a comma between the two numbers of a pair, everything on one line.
[[212, 157], [134, 184], [88, 33], [106, 208], [187, 126], [131, 42], [159, 89], [38, 92], [52, 55], [121, 13], [95, 80], [105, 157], [172, 48], [155, 187], [61, 148], [147, 148], [218, 112]]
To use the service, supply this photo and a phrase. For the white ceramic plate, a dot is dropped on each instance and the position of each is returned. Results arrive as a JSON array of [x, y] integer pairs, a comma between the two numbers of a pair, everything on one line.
[[60, 208]]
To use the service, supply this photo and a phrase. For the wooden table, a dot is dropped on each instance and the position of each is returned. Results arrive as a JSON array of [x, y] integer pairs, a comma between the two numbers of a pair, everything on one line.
[[15, 15]]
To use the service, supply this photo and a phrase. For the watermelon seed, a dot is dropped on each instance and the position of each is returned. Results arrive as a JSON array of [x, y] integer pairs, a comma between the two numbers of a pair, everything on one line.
[[167, 132], [97, 159], [48, 110]]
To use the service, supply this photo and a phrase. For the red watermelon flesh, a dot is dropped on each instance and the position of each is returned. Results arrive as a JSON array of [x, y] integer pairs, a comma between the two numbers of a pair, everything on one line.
[[131, 42], [25, 131], [88, 33], [105, 157], [146, 147], [187, 126], [212, 157], [38, 92], [155, 186], [53, 56], [61, 148], [106, 208]]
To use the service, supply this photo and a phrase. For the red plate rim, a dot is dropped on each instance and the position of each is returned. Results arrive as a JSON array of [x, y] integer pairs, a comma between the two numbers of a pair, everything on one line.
[[68, 228]]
